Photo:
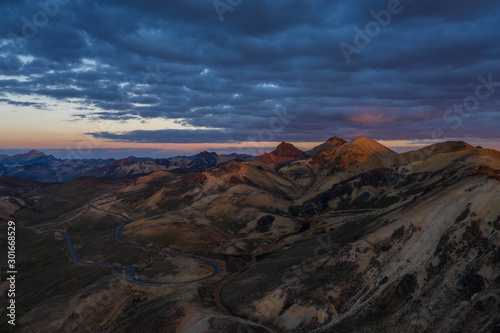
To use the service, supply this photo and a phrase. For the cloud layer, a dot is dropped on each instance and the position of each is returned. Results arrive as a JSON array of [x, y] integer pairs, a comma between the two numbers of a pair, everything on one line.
[[269, 71]]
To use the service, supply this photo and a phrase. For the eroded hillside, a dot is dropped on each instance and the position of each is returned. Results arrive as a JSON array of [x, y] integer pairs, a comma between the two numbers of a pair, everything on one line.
[[348, 236]]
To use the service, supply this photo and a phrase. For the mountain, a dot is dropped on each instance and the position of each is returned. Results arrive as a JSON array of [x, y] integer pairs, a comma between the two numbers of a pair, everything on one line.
[[31, 157], [346, 237], [124, 169], [333, 142], [85, 163], [337, 160], [11, 189], [400, 233], [38, 166], [283, 153], [435, 149], [205, 160], [240, 156], [405, 236], [139, 159], [361, 150]]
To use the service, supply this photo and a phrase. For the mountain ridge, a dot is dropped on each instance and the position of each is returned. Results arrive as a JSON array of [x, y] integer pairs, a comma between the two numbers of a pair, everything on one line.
[[355, 238]]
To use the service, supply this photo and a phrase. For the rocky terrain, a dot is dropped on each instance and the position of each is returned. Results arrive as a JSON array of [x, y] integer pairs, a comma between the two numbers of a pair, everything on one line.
[[36, 165], [346, 237]]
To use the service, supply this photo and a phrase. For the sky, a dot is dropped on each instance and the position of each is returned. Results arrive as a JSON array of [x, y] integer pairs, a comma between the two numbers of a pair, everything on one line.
[[157, 77]]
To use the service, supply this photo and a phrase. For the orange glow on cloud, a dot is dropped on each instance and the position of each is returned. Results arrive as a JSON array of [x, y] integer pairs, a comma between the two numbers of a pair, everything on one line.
[[375, 118], [15, 137]]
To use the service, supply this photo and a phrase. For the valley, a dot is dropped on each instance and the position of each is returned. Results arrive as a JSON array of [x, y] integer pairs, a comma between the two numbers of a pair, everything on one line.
[[347, 237]]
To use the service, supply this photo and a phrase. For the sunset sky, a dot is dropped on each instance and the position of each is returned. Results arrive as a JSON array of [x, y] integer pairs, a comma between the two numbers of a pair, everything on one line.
[[122, 77]]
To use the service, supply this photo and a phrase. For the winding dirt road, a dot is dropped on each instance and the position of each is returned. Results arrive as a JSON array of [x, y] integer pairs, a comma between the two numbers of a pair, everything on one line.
[[131, 269]]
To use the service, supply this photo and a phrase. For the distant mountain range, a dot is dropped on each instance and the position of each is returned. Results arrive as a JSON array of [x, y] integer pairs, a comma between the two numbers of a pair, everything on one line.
[[36, 165], [31, 157]]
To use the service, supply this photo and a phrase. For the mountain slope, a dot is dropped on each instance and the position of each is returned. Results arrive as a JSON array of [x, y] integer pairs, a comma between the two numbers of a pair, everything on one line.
[[356, 152], [333, 142], [347, 237], [412, 248], [335, 161]]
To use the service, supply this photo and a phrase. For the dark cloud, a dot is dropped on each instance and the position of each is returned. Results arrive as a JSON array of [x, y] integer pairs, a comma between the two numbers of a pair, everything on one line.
[[148, 59], [17, 103]]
